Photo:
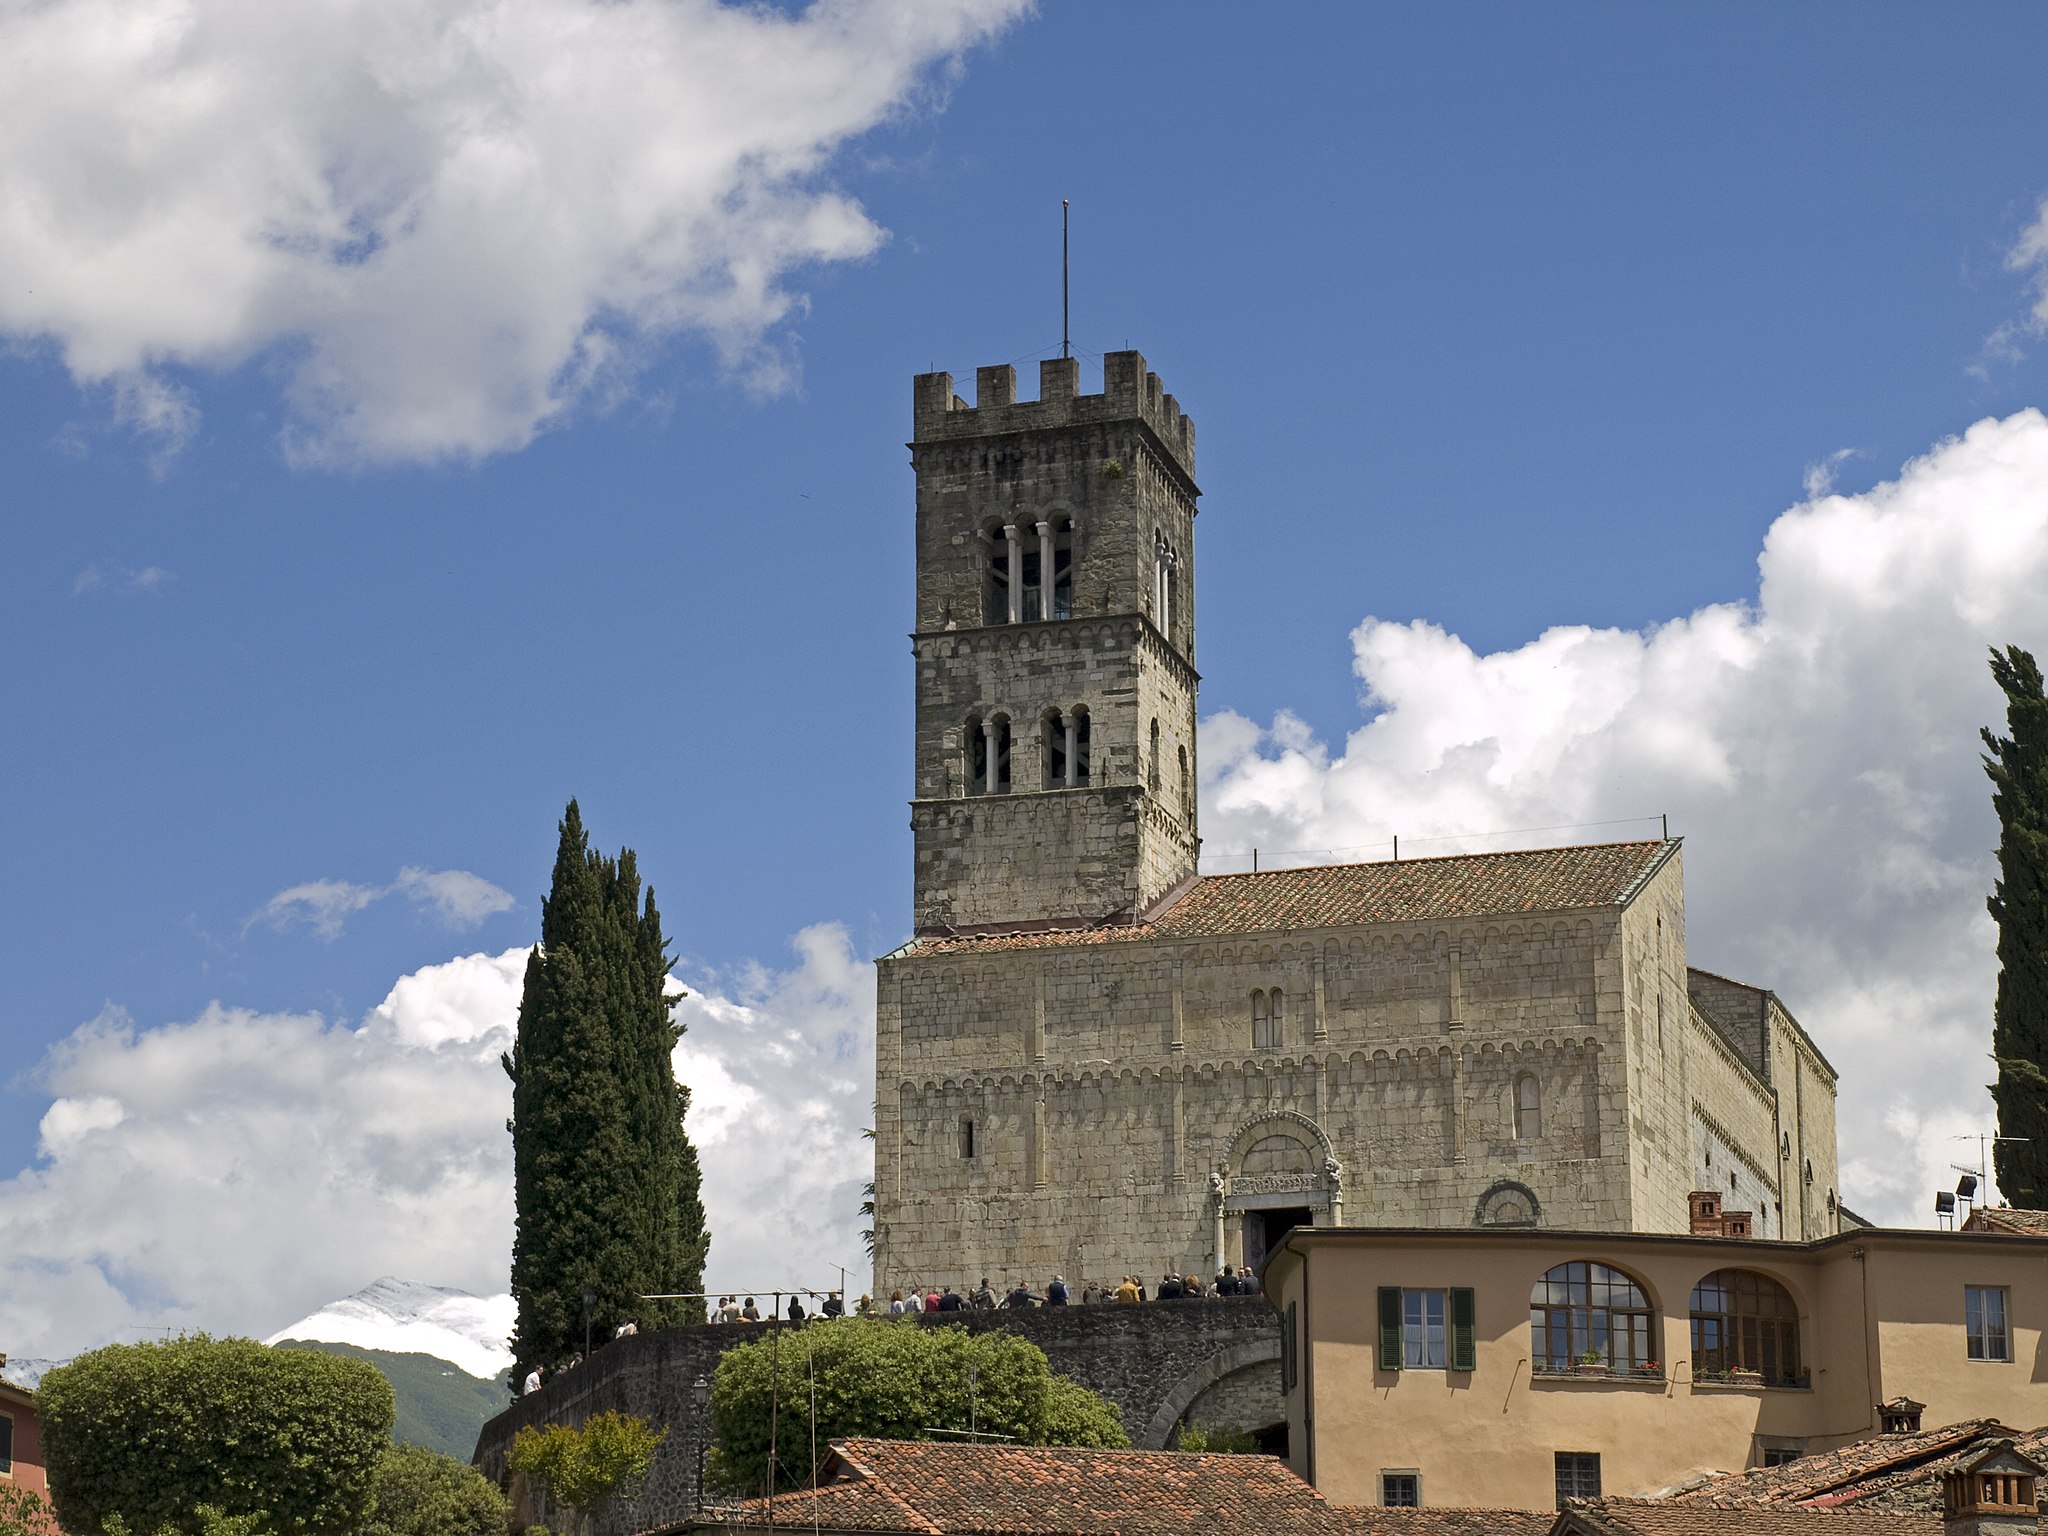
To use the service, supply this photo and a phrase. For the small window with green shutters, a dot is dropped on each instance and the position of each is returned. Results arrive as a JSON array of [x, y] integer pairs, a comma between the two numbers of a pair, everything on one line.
[[1427, 1330]]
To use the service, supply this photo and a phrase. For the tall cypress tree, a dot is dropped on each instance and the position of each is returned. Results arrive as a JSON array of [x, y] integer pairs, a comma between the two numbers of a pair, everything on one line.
[[606, 1180], [2018, 765]]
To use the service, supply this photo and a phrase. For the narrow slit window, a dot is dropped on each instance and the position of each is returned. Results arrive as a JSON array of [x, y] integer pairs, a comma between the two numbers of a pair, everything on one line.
[[1081, 753], [1528, 1107], [967, 1136]]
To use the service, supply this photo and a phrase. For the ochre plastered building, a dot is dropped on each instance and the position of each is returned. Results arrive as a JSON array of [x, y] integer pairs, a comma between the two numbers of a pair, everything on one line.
[[1092, 1060], [1628, 1363]]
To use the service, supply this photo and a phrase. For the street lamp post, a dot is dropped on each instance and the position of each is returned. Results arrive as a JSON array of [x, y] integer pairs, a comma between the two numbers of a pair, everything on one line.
[[700, 1394]]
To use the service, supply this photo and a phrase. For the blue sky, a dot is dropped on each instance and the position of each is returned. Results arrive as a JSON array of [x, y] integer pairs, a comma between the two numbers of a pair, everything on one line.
[[1492, 317]]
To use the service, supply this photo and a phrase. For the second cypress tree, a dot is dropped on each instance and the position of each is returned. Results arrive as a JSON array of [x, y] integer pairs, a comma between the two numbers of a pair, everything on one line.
[[2018, 765], [606, 1181]]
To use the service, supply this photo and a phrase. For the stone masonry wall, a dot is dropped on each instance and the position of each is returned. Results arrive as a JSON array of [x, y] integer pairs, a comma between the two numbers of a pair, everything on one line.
[[1114, 473], [1106, 1082], [1204, 1360]]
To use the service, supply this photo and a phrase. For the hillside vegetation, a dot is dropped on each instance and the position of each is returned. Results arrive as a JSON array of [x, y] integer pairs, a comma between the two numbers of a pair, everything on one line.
[[439, 1406]]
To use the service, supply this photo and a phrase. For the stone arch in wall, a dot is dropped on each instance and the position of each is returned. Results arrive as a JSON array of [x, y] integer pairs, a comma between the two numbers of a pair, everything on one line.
[[1213, 1375], [1508, 1203], [1278, 1171]]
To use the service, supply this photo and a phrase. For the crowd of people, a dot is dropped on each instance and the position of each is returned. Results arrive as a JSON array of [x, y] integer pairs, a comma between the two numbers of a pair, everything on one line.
[[985, 1297]]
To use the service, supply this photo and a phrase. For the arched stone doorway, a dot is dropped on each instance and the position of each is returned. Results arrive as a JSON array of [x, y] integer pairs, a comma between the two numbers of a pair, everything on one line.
[[1280, 1173]]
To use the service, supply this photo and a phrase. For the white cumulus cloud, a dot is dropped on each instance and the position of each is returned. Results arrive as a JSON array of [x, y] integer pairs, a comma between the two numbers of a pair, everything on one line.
[[243, 1169], [1816, 745], [459, 900], [448, 221]]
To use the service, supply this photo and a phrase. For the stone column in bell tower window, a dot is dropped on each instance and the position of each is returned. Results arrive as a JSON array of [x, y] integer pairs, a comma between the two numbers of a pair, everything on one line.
[[1016, 559], [1045, 570]]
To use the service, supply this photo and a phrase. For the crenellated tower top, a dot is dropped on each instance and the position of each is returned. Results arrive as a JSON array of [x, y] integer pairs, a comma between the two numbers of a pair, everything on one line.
[[1129, 393]]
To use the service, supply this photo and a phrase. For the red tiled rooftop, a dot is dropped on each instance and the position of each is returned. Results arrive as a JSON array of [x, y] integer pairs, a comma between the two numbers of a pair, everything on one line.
[[1894, 1470], [1661, 1517], [1336, 895], [1379, 1520], [938, 1488], [2003, 1218]]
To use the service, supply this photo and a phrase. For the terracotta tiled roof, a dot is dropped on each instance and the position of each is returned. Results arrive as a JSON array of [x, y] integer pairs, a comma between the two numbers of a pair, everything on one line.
[[1408, 891], [1375, 1520], [935, 1488], [1661, 1517], [1890, 1471], [2004, 1218]]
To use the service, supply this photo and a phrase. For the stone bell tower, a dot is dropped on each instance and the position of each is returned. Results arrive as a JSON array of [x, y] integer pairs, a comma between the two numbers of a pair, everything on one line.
[[1055, 649]]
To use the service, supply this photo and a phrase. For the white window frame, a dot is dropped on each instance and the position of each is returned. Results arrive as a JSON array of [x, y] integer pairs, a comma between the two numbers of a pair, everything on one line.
[[1425, 1340], [1981, 1333]]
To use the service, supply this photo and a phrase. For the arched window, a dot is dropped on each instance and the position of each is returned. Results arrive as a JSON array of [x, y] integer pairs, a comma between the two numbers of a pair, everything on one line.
[[975, 741], [1744, 1321], [1079, 719], [1583, 1309], [998, 731], [1052, 733], [1163, 563], [1528, 1107], [997, 547], [1152, 762], [1268, 1012], [1062, 568]]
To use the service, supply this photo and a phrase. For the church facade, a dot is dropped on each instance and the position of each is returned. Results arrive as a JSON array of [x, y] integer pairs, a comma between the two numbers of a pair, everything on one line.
[[1091, 1060]]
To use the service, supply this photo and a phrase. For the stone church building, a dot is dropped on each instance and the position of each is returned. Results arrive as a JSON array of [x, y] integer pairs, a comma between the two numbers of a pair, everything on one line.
[[1093, 1060]]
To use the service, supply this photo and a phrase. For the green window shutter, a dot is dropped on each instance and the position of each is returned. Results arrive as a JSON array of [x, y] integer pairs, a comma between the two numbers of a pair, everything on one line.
[[1464, 1330], [1390, 1327]]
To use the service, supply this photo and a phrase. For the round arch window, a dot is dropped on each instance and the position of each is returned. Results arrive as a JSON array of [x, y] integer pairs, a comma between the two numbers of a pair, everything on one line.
[[1744, 1321], [1586, 1313]]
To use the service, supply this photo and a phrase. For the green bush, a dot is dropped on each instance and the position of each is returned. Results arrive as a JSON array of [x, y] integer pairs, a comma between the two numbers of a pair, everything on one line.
[[1220, 1443], [154, 1433], [583, 1467], [884, 1378], [418, 1492]]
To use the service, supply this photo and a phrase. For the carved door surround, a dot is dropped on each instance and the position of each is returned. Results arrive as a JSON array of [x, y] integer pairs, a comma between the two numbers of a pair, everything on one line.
[[1277, 1160]]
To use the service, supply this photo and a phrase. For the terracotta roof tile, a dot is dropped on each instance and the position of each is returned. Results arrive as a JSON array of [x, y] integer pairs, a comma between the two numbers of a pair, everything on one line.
[[938, 1488], [1376, 1520], [1662, 1517], [2004, 1218], [1326, 896], [1887, 1471]]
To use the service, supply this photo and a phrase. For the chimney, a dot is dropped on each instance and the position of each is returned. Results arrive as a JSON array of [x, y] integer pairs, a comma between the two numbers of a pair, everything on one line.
[[1900, 1416], [1991, 1495]]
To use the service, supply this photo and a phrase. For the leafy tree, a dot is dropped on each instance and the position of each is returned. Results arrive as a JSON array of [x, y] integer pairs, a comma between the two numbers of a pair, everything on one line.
[[155, 1434], [888, 1379], [25, 1513], [418, 1492], [584, 1467], [867, 1202], [2018, 766], [607, 1182]]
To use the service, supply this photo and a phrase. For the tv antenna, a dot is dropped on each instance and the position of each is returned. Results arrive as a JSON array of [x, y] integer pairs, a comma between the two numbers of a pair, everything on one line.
[[1066, 344]]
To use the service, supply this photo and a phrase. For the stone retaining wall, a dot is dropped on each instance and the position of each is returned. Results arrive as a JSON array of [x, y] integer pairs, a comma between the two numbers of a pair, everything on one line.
[[1159, 1363]]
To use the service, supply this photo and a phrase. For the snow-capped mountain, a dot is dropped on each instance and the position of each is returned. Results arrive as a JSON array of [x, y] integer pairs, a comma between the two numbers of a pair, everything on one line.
[[27, 1374], [410, 1318]]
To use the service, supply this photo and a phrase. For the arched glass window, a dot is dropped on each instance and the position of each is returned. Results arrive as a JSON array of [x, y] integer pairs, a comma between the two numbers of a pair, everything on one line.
[[1268, 1011], [1744, 1321], [1528, 1107], [1583, 1309]]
